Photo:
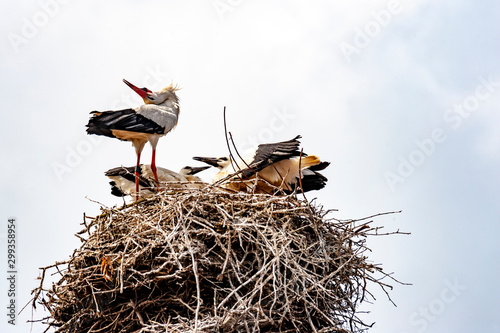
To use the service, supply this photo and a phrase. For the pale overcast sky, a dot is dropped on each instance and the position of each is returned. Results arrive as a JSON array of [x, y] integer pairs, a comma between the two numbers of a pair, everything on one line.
[[401, 96]]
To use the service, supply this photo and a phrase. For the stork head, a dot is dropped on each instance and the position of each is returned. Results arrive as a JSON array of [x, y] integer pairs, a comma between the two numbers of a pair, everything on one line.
[[158, 97], [218, 162], [187, 170]]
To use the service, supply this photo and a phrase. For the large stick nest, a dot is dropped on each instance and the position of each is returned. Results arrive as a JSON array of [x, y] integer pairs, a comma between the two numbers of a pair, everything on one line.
[[211, 261]]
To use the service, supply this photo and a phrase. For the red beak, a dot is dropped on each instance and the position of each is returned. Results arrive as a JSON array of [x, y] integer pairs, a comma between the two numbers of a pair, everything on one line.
[[143, 92]]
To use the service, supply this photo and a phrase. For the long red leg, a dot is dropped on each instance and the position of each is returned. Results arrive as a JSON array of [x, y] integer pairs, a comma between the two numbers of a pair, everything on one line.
[[137, 176], [153, 168]]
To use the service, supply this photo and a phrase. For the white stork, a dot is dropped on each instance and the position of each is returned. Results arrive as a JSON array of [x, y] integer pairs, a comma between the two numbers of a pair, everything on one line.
[[272, 166], [139, 125], [123, 179]]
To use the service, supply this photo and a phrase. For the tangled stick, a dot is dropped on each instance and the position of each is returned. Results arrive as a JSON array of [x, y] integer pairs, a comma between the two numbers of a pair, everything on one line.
[[212, 261]]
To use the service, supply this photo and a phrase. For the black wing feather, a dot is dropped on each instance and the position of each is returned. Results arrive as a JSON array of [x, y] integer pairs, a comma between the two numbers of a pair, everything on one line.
[[115, 190], [310, 182], [129, 174], [102, 123], [271, 153]]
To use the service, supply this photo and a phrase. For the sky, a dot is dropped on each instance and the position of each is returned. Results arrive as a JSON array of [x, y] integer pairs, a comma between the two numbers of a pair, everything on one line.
[[402, 97]]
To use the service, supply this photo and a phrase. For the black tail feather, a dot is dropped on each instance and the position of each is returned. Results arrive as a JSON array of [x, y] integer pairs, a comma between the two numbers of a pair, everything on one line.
[[115, 190], [312, 182]]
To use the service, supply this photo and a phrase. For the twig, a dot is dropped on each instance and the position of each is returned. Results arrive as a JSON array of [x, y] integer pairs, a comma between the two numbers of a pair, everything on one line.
[[252, 262], [197, 279], [231, 158]]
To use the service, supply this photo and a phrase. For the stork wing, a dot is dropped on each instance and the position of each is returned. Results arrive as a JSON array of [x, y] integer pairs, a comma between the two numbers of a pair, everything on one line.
[[123, 180], [127, 173], [164, 116], [102, 123], [270, 153]]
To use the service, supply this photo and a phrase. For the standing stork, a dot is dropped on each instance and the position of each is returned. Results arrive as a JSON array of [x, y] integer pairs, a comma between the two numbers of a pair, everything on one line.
[[139, 125]]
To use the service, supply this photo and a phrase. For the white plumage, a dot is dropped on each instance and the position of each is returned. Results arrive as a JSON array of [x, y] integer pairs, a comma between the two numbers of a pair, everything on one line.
[[123, 180], [273, 167], [145, 123]]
